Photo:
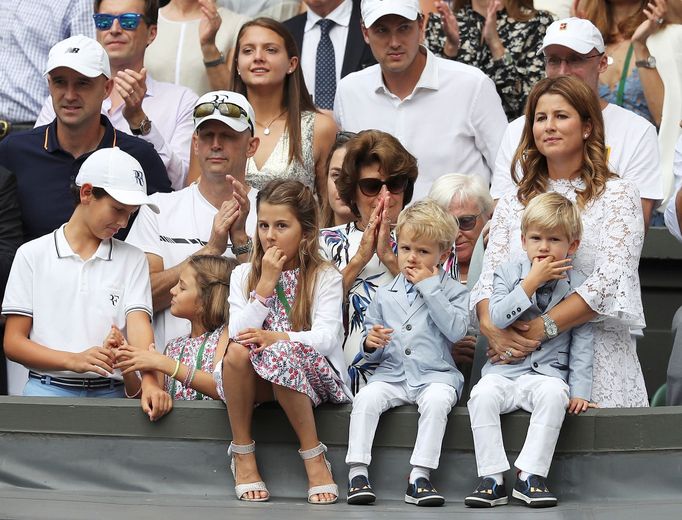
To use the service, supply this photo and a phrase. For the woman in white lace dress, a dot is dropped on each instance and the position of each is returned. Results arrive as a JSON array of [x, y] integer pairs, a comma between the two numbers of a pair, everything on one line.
[[562, 150]]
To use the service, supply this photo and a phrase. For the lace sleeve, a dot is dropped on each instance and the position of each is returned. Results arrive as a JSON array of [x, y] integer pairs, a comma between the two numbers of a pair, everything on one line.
[[498, 250], [612, 289]]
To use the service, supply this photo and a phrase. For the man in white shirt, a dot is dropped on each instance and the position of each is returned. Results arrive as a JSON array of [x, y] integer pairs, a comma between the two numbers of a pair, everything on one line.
[[211, 217], [351, 52], [673, 212], [158, 112], [575, 47], [447, 114]]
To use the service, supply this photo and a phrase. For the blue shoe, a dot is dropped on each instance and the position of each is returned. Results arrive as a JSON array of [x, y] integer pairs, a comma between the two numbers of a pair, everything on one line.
[[422, 493], [488, 494], [534, 492], [360, 491]]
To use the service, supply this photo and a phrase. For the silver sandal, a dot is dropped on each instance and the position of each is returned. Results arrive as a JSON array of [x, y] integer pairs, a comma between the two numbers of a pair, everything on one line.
[[242, 489], [325, 488]]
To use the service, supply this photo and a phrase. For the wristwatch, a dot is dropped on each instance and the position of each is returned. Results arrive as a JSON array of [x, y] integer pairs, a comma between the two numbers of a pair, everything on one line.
[[649, 63], [144, 128], [551, 329], [244, 248]]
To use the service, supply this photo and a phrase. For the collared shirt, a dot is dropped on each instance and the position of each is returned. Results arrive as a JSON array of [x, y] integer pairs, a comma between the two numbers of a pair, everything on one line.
[[45, 172], [451, 122], [28, 28], [169, 107], [72, 301], [311, 38]]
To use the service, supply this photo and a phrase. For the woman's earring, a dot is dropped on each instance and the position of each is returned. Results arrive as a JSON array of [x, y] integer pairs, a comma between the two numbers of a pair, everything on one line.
[[586, 136]]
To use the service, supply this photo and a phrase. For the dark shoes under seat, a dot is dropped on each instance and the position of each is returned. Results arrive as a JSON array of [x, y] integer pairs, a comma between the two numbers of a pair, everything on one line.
[[488, 494], [360, 491], [422, 493], [534, 492]]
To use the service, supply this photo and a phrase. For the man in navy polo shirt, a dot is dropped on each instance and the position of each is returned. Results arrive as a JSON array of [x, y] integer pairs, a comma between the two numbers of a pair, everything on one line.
[[45, 160]]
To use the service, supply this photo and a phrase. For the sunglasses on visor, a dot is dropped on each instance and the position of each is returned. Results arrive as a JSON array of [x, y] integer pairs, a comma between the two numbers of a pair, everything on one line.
[[225, 109], [127, 21], [371, 187]]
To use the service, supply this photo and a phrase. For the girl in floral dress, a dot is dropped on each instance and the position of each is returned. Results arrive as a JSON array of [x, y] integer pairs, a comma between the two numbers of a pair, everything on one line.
[[189, 361], [286, 331]]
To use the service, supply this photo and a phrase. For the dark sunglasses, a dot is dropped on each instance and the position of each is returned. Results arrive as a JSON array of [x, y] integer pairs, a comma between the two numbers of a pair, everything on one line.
[[467, 222], [225, 109], [127, 21], [371, 187]]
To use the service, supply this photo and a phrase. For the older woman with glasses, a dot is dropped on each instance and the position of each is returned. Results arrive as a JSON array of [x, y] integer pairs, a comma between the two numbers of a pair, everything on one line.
[[376, 181]]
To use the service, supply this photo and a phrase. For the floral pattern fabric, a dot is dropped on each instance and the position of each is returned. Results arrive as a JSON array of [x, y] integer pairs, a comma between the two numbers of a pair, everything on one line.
[[339, 244], [191, 347], [522, 40], [608, 256], [633, 96]]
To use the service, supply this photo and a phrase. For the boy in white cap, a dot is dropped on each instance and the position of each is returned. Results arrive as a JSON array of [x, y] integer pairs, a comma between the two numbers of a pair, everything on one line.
[[67, 288], [209, 217]]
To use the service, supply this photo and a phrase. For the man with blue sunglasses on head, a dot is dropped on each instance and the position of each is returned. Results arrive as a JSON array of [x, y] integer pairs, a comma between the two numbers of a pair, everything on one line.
[[158, 112]]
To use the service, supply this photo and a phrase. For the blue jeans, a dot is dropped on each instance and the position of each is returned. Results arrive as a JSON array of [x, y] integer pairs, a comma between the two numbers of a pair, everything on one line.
[[36, 388]]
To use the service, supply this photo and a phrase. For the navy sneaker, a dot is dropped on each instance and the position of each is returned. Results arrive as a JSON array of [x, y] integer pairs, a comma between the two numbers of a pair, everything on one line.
[[534, 492], [360, 492], [422, 493], [488, 494]]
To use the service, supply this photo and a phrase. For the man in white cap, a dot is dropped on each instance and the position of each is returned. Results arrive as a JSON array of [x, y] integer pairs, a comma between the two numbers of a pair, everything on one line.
[[209, 217], [447, 114], [67, 288], [156, 111], [45, 160], [575, 47]]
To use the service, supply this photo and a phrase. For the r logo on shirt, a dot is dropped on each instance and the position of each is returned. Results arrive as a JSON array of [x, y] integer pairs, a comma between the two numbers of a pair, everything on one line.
[[114, 299]]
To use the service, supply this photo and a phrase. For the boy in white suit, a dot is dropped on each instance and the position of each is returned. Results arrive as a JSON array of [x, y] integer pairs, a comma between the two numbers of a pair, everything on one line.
[[410, 327], [555, 376]]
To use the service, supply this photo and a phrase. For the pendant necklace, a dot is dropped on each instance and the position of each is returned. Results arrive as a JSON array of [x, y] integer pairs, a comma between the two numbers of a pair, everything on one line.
[[266, 128]]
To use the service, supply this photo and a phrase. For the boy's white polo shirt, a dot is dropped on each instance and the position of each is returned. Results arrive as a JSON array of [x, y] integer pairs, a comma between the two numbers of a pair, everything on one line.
[[74, 302]]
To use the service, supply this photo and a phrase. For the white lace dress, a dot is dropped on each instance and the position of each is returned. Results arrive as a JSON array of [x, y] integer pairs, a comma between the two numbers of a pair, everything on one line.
[[613, 232]]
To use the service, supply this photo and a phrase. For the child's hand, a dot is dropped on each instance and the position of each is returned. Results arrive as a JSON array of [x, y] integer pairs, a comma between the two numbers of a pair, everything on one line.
[[99, 360], [378, 337], [419, 272], [577, 405], [114, 339], [548, 269], [260, 338], [130, 359], [272, 264]]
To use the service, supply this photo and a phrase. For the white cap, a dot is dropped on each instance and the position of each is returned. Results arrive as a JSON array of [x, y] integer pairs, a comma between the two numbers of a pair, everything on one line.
[[119, 174], [372, 10], [577, 34], [80, 53], [245, 119]]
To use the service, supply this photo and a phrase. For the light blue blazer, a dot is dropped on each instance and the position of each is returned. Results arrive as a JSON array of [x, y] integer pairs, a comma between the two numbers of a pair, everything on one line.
[[568, 356], [423, 333]]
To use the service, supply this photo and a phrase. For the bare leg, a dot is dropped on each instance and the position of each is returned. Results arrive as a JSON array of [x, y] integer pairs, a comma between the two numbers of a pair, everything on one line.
[[242, 386], [299, 410]]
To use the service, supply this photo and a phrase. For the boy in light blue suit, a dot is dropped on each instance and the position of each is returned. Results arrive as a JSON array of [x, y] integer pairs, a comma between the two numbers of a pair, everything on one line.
[[410, 327], [555, 376]]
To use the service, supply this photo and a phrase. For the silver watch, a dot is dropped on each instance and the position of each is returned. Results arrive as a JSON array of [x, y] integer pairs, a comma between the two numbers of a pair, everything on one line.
[[551, 329]]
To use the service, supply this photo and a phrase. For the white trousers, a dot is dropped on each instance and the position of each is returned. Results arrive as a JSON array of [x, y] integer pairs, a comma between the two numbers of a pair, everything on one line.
[[546, 398], [434, 402]]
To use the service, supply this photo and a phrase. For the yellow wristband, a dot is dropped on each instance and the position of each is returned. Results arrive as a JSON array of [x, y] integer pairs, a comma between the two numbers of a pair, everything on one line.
[[177, 367]]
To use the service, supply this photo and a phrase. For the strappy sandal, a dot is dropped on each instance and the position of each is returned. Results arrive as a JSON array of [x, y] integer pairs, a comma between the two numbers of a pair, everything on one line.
[[242, 489], [333, 489]]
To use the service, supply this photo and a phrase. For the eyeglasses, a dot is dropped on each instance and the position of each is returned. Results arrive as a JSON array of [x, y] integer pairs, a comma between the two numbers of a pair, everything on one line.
[[574, 61], [226, 109], [343, 136], [127, 21], [467, 222], [395, 184]]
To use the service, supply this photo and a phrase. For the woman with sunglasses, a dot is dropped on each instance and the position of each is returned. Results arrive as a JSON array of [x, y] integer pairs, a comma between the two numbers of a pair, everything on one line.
[[294, 137], [193, 44], [376, 181], [562, 149]]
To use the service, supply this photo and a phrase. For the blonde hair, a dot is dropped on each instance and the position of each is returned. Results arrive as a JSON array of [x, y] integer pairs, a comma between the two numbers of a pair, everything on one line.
[[552, 211], [301, 202], [428, 220], [212, 275], [594, 170]]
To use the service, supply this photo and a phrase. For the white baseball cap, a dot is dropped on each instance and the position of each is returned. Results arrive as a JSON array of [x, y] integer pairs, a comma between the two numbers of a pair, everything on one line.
[[225, 106], [372, 10], [577, 34], [80, 53], [119, 174]]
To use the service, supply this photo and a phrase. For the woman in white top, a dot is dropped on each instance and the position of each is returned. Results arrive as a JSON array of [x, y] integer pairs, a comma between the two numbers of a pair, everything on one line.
[[193, 45], [562, 150]]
